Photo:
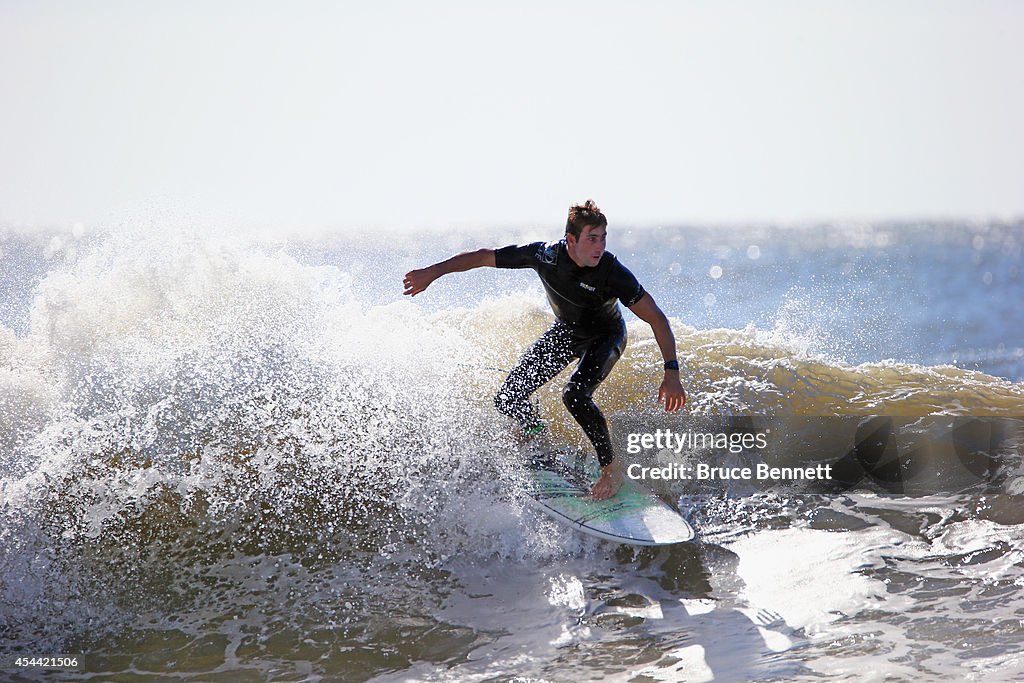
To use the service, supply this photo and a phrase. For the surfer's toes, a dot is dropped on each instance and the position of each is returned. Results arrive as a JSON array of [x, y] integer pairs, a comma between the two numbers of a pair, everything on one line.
[[603, 490]]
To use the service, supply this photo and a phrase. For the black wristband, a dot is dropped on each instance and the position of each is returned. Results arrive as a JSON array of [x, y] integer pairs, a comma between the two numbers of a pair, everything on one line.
[[671, 365]]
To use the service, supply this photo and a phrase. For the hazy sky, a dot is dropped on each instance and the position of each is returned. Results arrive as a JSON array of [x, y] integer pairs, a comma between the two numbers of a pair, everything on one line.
[[451, 113]]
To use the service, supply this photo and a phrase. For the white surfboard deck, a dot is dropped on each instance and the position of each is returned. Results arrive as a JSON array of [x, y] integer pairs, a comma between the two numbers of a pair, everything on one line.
[[632, 516]]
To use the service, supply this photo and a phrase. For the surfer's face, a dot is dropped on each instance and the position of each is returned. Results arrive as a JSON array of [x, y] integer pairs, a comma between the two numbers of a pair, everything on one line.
[[588, 249]]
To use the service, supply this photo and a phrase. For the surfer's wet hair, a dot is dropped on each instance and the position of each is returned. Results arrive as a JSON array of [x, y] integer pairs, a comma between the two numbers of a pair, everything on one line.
[[582, 215]]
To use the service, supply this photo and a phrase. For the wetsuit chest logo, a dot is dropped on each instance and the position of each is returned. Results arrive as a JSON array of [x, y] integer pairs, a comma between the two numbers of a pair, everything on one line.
[[587, 287], [548, 254]]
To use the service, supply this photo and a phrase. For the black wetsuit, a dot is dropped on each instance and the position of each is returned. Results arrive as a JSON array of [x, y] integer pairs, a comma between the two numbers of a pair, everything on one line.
[[588, 325]]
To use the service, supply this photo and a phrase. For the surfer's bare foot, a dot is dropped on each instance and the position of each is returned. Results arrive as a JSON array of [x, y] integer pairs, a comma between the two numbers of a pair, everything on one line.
[[609, 483]]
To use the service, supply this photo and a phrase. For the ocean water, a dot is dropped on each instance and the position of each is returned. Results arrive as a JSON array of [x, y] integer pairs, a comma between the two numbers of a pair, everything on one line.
[[230, 458]]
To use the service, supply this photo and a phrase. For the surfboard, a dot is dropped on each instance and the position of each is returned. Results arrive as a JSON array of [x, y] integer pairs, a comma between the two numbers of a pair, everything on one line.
[[560, 488]]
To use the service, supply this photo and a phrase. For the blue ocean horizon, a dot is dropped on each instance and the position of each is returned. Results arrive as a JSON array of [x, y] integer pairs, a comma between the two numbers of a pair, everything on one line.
[[943, 293]]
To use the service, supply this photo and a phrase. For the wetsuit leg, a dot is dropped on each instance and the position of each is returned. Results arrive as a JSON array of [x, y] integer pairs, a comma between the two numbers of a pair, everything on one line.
[[597, 361], [545, 358]]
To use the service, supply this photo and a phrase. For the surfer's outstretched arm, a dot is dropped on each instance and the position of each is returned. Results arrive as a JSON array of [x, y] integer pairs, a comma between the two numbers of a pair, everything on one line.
[[670, 391], [417, 280]]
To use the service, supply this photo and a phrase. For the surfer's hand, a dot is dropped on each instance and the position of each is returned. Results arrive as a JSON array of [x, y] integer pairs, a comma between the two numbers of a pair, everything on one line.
[[671, 392], [417, 280], [609, 483]]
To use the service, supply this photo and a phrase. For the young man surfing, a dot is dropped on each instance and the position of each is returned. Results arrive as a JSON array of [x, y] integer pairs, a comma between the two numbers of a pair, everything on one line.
[[584, 284]]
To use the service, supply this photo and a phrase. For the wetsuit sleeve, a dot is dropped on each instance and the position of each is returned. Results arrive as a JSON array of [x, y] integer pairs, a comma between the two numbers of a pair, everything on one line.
[[624, 285], [516, 256]]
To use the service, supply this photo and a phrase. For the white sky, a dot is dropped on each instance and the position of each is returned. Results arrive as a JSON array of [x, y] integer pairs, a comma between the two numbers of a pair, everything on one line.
[[451, 113]]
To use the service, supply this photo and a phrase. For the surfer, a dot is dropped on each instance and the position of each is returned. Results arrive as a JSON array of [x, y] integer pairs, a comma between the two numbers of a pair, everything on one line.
[[584, 284]]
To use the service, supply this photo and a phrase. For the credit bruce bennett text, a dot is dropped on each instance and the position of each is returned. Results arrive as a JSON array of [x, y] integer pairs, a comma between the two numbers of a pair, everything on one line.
[[704, 472]]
